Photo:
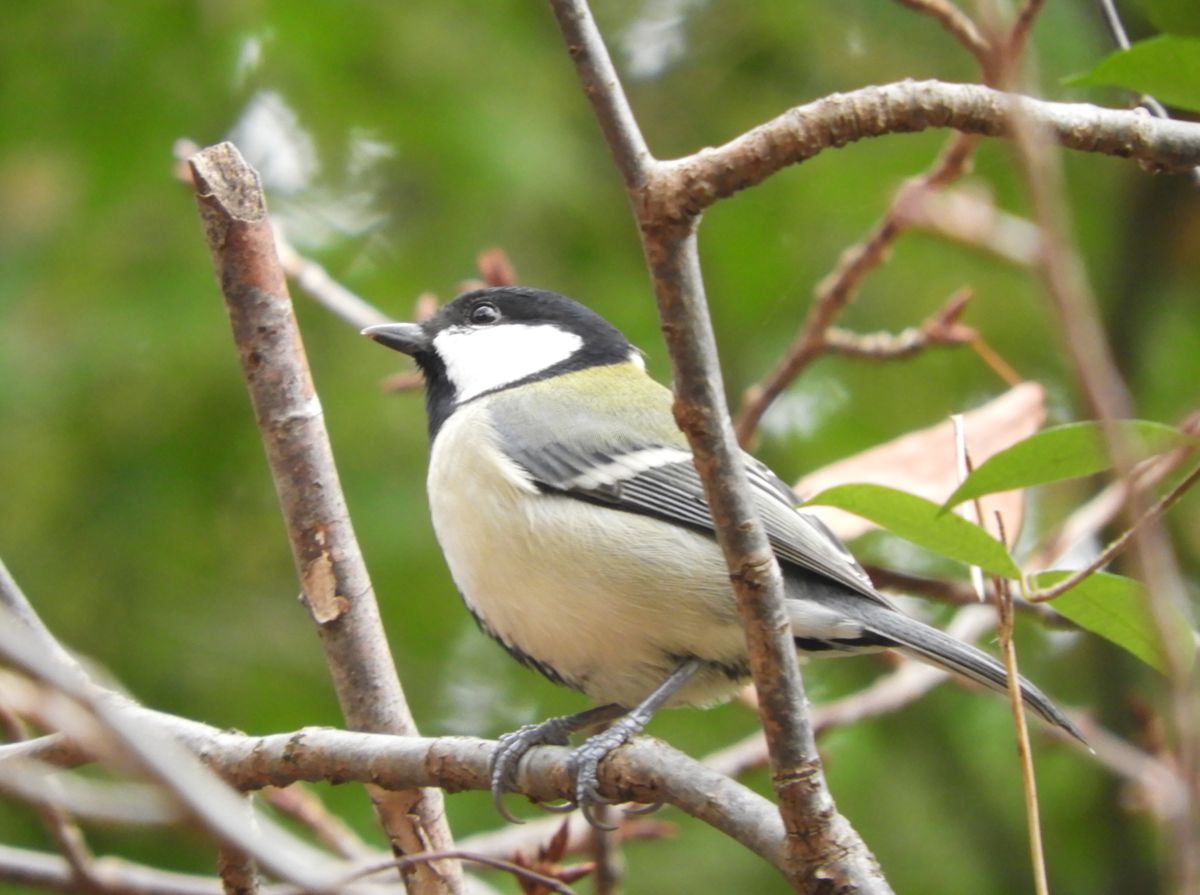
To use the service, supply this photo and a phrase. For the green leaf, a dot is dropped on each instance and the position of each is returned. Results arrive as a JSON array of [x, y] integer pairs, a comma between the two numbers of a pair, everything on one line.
[[1115, 608], [922, 522], [1064, 452], [1167, 67], [1175, 16]]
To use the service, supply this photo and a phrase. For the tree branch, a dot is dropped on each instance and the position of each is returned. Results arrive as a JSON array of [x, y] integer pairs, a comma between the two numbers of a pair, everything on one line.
[[957, 23], [693, 183], [822, 847], [333, 577]]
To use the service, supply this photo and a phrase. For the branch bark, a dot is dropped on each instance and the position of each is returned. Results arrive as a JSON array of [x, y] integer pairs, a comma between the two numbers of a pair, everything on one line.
[[691, 184], [334, 580], [823, 853]]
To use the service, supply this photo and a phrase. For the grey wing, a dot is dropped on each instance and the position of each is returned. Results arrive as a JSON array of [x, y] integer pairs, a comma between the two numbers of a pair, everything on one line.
[[661, 481]]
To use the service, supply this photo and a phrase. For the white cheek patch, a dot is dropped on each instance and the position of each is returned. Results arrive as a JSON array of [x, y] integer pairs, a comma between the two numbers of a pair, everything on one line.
[[479, 360]]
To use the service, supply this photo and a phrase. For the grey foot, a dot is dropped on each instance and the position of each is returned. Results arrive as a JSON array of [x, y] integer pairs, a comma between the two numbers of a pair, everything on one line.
[[555, 732]]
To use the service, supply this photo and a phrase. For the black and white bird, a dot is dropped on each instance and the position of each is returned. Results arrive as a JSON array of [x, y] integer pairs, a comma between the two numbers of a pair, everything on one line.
[[575, 526]]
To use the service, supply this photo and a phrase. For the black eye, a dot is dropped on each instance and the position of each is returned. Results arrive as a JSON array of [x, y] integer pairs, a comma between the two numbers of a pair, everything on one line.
[[485, 313]]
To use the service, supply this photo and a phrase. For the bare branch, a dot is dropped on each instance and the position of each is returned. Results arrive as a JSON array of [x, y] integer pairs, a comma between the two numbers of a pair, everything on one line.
[[839, 288], [598, 77], [304, 806], [1118, 544], [694, 183], [333, 577], [973, 220], [1008, 651], [1117, 29], [941, 329], [23, 867], [1108, 400], [315, 281], [157, 754], [958, 23], [821, 844], [238, 872], [1089, 519]]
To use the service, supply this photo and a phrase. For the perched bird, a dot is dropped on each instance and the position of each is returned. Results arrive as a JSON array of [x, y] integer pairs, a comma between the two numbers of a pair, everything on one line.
[[575, 526]]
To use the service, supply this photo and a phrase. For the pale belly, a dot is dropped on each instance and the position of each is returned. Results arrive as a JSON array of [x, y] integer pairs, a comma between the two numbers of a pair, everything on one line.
[[595, 594]]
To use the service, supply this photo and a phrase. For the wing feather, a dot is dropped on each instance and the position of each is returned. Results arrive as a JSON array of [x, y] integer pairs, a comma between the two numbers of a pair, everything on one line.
[[661, 481]]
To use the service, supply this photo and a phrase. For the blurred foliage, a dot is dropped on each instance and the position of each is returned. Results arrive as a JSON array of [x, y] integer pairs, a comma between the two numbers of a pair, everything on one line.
[[137, 510]]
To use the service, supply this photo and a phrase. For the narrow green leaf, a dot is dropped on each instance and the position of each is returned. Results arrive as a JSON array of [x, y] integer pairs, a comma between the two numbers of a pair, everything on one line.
[[922, 522], [1115, 608], [1166, 67], [1064, 452], [1175, 16]]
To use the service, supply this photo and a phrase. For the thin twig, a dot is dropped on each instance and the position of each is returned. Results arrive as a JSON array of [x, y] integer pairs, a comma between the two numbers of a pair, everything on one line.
[[605, 852], [530, 836], [1008, 650], [1022, 28], [305, 807], [1090, 518], [164, 760], [61, 827], [459, 854], [334, 579], [958, 23], [959, 593], [1116, 28], [25, 867], [940, 329], [1118, 544], [839, 287], [1108, 400], [315, 281], [969, 218]]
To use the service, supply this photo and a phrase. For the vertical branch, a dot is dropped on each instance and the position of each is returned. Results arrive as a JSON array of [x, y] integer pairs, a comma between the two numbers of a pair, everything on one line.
[[333, 577], [1108, 400], [821, 846]]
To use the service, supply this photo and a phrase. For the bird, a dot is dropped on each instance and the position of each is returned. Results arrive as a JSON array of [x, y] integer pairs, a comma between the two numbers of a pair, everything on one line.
[[575, 527]]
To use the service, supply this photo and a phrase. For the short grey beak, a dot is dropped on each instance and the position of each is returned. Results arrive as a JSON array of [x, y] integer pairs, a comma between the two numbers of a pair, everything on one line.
[[408, 338]]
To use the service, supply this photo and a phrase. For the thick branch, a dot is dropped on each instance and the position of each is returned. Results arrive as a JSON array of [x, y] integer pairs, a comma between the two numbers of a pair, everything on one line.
[[333, 577], [824, 852], [907, 107]]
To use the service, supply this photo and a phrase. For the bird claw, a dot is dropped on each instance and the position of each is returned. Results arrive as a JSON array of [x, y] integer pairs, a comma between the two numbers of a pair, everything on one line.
[[584, 763], [509, 752], [585, 767], [642, 810]]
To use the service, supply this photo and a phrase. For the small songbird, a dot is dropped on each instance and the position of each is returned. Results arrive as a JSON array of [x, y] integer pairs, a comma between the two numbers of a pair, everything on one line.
[[575, 526]]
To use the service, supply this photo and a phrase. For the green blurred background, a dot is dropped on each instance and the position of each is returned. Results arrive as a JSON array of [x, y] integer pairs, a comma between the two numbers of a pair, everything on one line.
[[135, 506]]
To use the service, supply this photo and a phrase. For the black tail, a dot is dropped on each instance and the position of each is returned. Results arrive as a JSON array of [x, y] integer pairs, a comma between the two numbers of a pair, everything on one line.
[[937, 648]]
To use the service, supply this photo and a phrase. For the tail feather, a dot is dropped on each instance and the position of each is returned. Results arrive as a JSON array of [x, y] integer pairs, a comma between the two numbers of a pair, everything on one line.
[[937, 648]]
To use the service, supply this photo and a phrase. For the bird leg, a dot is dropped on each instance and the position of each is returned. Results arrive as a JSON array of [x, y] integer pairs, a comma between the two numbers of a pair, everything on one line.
[[553, 732], [585, 761]]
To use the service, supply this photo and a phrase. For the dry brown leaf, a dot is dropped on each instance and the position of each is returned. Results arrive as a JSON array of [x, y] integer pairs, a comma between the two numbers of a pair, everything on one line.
[[924, 463]]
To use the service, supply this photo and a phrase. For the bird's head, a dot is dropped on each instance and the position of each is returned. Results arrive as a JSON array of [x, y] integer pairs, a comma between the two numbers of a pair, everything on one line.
[[492, 339]]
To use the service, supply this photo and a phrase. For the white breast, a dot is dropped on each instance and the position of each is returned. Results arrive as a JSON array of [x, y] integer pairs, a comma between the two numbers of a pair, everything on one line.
[[612, 601]]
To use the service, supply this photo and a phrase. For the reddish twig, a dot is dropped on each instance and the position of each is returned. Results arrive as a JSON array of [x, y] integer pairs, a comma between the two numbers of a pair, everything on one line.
[[1118, 544], [838, 288], [958, 23], [941, 329]]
